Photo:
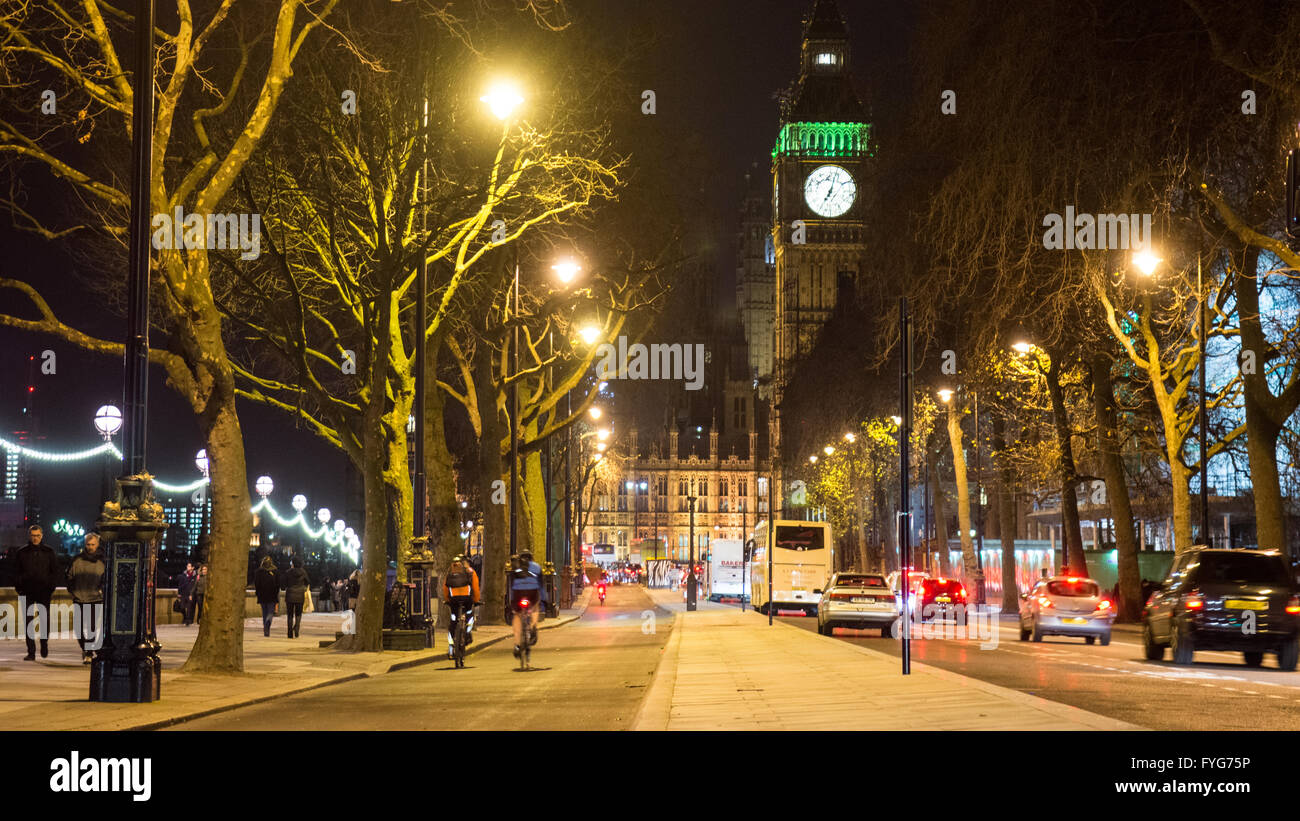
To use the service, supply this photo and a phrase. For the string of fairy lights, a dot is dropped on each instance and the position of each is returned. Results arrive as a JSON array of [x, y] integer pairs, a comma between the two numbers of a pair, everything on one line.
[[337, 534]]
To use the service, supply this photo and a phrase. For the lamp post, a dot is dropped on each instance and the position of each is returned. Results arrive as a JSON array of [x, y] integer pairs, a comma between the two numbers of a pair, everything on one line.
[[503, 100], [904, 465], [691, 589], [299, 504], [323, 516], [126, 667]]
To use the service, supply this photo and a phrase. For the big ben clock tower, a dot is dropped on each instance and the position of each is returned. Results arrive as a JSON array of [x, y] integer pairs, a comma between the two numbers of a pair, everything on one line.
[[820, 181]]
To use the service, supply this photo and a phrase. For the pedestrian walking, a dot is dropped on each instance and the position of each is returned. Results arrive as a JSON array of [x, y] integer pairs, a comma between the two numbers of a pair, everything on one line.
[[296, 585], [200, 593], [340, 593], [354, 589], [267, 586], [185, 592], [37, 576], [86, 586]]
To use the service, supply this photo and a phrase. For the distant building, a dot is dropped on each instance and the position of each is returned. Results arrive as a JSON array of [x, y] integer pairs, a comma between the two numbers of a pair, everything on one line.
[[185, 523]]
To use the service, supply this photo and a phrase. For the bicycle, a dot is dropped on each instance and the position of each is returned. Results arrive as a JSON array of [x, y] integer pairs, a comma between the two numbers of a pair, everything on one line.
[[523, 605], [458, 643]]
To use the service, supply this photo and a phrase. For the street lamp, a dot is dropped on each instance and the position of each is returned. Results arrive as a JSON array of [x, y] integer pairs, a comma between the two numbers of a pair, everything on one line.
[[850, 438], [323, 515], [566, 271], [502, 99], [108, 421], [595, 412], [590, 334], [812, 459], [829, 450], [1146, 262], [264, 486]]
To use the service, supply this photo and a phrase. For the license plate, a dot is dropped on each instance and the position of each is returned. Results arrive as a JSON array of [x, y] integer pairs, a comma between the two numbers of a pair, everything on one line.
[[1075, 621], [942, 598], [864, 601], [1242, 604]]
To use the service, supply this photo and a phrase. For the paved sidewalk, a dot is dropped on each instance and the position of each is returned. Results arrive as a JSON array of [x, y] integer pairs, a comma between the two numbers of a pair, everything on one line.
[[727, 670], [51, 693]]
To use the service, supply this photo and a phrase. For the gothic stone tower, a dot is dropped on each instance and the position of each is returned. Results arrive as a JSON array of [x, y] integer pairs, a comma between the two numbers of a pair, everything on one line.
[[820, 181]]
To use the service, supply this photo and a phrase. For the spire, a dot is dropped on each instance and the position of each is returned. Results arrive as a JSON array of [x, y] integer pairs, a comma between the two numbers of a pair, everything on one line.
[[825, 22]]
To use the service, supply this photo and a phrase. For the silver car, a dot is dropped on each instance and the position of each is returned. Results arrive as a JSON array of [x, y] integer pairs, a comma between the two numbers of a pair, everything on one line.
[[1066, 606], [857, 600]]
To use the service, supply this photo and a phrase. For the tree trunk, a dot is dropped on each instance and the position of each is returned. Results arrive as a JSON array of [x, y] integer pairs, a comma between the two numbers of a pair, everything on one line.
[[1266, 414], [219, 647], [963, 491], [940, 514], [1071, 534], [1112, 471], [532, 501], [1005, 515]]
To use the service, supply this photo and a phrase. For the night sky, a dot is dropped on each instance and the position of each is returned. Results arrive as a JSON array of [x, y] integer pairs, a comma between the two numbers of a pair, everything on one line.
[[715, 68]]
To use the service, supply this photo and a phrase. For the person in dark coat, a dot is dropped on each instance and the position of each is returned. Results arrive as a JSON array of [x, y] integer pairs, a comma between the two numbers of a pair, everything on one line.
[[326, 593], [200, 592], [86, 586], [37, 574], [266, 584], [185, 591], [296, 585]]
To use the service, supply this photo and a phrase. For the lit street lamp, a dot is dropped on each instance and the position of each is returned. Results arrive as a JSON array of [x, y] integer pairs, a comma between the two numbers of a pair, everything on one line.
[[108, 421], [264, 486]]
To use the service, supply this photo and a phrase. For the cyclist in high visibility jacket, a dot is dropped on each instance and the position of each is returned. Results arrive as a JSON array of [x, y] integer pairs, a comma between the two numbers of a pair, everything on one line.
[[460, 592]]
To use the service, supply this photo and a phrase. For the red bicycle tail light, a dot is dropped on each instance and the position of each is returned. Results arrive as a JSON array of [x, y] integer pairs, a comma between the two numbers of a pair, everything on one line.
[[1293, 604], [1194, 601], [523, 602]]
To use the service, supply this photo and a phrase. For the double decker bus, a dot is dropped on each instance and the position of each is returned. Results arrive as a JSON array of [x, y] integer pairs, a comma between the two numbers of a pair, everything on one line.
[[801, 565]]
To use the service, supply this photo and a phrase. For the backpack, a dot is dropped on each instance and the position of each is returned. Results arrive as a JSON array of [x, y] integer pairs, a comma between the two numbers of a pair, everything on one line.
[[459, 583]]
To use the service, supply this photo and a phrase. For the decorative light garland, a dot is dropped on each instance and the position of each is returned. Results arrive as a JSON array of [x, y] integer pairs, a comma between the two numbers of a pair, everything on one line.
[[332, 537]]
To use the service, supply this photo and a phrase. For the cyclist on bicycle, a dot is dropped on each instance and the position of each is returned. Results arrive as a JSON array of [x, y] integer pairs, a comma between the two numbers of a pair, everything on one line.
[[460, 592], [525, 586]]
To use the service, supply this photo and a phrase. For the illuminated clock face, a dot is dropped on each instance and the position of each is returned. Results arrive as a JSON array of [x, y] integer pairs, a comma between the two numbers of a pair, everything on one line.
[[830, 191]]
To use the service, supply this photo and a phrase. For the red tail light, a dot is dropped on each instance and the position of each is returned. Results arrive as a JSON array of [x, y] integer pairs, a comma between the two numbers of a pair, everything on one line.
[[1293, 604], [961, 593], [1104, 604], [523, 602], [1194, 601]]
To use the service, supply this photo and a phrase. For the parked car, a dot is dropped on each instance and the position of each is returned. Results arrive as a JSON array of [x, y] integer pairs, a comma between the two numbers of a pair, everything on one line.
[[861, 600], [938, 598], [1218, 599], [1066, 606]]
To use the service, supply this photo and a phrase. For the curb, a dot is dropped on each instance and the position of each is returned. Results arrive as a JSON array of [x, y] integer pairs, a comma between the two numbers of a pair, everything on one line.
[[1092, 720], [373, 671], [657, 707]]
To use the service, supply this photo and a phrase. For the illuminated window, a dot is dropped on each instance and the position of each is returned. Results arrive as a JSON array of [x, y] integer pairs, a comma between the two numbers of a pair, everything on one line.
[[828, 58]]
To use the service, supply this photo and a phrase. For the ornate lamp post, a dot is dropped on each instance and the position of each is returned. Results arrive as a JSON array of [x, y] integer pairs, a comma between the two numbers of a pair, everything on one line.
[[126, 666], [299, 504]]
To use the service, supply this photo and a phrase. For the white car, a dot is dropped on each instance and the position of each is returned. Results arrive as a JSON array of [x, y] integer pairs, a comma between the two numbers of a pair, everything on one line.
[[857, 600], [1066, 606]]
